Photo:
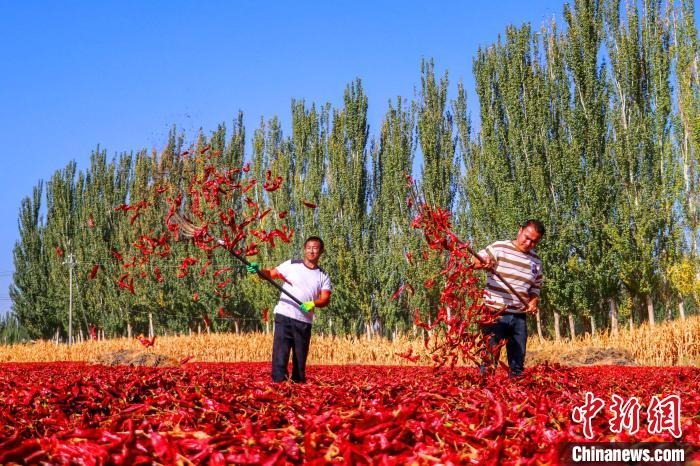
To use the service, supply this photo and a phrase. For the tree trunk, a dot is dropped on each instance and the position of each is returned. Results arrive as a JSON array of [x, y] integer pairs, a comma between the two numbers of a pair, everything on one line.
[[150, 325], [630, 320], [592, 326], [681, 308], [368, 331], [128, 329], [235, 324], [557, 334], [572, 327], [539, 326], [613, 316], [650, 310]]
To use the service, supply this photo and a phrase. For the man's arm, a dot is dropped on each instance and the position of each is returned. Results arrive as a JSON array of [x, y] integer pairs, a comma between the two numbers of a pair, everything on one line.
[[533, 304], [272, 273], [323, 300], [488, 261]]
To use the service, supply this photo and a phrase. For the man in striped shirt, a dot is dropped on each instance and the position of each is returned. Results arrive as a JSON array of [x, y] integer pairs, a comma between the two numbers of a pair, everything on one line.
[[517, 264]]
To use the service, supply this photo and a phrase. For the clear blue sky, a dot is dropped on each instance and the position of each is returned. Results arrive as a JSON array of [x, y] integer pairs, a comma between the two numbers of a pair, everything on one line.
[[76, 74]]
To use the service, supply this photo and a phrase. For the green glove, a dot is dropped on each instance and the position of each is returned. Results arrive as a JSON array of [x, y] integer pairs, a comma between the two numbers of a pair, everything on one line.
[[253, 267], [307, 306]]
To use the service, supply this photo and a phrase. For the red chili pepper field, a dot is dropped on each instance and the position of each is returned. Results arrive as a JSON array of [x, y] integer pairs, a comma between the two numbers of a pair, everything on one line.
[[207, 413]]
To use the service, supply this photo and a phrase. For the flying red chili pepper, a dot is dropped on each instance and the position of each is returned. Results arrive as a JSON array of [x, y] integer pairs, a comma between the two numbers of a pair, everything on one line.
[[224, 283], [409, 355], [249, 185], [185, 266], [146, 342], [93, 272], [117, 256], [274, 185], [204, 268], [220, 271], [126, 285], [405, 286]]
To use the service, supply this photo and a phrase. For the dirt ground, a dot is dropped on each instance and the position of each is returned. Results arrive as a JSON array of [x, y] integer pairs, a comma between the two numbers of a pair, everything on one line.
[[589, 356], [136, 358]]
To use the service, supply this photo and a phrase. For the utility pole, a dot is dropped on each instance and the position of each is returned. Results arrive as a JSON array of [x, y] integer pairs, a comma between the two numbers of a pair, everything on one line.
[[70, 262]]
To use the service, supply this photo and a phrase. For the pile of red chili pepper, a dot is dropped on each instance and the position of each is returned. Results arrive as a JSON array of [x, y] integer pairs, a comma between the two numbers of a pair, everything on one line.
[[74, 413]]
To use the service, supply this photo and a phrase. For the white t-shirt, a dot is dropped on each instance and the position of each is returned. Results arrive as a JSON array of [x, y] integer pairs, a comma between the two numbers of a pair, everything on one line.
[[306, 285]]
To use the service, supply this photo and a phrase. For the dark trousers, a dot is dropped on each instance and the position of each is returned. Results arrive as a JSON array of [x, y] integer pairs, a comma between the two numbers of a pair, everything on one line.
[[514, 328], [290, 335]]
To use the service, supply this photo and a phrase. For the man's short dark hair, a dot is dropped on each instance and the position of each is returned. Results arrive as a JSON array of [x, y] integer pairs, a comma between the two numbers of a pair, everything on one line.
[[315, 238], [536, 224]]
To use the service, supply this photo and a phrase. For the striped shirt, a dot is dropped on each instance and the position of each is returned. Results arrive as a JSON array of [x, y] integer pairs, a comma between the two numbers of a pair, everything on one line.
[[523, 271]]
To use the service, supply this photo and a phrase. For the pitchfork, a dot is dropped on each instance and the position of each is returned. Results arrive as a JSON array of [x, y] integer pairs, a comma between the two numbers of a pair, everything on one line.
[[188, 229]]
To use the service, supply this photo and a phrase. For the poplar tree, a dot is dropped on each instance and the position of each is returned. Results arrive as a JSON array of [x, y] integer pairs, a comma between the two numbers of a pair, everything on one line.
[[590, 202], [30, 301], [343, 211], [686, 125], [391, 233], [645, 169], [438, 176]]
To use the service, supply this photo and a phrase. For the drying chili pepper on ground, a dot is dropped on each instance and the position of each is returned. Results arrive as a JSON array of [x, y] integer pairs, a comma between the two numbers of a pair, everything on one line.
[[214, 413]]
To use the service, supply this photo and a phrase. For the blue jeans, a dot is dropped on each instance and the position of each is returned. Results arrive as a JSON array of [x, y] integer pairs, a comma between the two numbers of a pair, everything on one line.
[[293, 336], [514, 328]]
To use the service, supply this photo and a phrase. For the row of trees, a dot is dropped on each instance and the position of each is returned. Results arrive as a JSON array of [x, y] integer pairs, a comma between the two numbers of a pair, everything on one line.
[[593, 127]]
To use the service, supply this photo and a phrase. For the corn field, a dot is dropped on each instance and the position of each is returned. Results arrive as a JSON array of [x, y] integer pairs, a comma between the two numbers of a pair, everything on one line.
[[671, 344]]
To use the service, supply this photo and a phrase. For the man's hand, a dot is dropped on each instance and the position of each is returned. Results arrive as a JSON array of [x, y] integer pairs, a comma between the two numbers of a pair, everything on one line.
[[253, 267], [533, 305], [487, 263], [307, 306]]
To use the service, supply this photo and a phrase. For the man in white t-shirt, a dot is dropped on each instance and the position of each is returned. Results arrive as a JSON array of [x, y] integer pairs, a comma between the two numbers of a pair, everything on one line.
[[308, 282]]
